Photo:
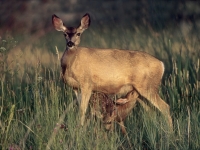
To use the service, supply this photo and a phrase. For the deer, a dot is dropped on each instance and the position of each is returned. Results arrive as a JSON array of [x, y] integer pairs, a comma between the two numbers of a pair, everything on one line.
[[109, 110], [110, 71]]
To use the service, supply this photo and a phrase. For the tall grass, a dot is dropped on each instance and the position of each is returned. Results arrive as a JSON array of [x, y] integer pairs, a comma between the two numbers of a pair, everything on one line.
[[37, 110]]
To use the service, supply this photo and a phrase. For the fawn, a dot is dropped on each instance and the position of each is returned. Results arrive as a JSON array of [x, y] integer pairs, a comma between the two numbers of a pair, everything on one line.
[[104, 107]]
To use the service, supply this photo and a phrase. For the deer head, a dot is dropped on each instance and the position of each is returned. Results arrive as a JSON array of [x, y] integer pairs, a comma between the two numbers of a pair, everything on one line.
[[72, 35]]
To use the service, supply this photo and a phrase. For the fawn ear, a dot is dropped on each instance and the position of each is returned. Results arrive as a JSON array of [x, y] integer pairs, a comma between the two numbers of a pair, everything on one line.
[[85, 21], [58, 24], [122, 101]]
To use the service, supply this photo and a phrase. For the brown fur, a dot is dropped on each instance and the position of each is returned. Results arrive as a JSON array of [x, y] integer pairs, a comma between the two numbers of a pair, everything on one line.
[[104, 107], [111, 71]]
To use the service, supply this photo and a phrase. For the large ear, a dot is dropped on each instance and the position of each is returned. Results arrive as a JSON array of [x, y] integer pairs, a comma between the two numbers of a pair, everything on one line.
[[85, 21], [57, 23], [122, 101]]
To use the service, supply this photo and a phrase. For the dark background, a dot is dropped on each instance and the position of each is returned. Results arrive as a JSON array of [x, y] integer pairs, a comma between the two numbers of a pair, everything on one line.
[[33, 16]]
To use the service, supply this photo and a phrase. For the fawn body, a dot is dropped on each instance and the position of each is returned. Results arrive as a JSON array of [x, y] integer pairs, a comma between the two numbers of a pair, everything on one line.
[[109, 110], [111, 71]]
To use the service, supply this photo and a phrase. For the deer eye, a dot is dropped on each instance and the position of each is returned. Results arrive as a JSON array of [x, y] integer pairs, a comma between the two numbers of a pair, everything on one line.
[[65, 34], [78, 34]]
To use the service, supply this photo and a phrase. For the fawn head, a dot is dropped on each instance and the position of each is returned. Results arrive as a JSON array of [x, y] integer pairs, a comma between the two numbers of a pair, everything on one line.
[[72, 35]]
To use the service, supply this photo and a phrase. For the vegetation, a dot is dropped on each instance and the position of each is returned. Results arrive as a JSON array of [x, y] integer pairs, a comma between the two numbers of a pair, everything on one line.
[[37, 110]]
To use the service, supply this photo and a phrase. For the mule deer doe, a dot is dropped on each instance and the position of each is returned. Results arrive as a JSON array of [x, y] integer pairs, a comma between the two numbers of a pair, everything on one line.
[[110, 71]]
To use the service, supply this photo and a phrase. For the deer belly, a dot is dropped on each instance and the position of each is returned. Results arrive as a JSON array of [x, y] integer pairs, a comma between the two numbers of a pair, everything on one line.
[[113, 89]]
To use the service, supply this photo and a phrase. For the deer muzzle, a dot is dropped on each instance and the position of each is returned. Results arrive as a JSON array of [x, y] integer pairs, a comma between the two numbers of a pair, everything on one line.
[[70, 44]]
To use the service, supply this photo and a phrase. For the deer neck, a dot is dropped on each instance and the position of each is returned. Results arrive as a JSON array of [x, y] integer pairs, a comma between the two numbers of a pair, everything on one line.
[[68, 56]]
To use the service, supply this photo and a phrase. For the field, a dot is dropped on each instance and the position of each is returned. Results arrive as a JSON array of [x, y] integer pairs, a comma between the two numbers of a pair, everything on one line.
[[37, 110]]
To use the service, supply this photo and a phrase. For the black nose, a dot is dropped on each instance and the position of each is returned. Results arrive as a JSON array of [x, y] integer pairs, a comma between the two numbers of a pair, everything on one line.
[[70, 44]]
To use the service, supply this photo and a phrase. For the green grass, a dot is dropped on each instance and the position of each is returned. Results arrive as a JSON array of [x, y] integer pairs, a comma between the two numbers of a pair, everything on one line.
[[37, 109]]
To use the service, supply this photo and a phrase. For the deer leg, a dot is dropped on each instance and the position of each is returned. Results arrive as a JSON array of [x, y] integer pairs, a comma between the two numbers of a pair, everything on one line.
[[95, 105], [143, 104], [121, 123], [160, 104], [165, 109], [85, 97], [132, 95], [78, 95]]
